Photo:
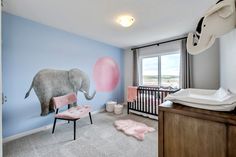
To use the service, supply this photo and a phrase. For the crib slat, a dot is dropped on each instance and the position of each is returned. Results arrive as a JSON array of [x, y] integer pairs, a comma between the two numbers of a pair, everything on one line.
[[136, 106], [138, 102], [162, 95], [141, 102], [156, 101], [134, 103], [144, 100], [153, 102], [128, 103], [149, 102]]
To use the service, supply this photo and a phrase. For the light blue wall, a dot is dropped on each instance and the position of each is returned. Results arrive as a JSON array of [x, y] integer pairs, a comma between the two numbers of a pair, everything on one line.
[[28, 47]]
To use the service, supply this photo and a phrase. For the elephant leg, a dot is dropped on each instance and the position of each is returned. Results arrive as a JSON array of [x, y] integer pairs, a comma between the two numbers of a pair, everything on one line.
[[43, 98], [45, 107], [42, 103], [51, 107]]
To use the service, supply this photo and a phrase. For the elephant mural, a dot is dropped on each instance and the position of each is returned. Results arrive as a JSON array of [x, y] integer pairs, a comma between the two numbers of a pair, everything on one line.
[[218, 20], [49, 83]]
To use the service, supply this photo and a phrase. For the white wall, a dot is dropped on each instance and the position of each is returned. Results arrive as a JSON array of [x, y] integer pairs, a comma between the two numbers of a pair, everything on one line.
[[228, 61], [206, 68]]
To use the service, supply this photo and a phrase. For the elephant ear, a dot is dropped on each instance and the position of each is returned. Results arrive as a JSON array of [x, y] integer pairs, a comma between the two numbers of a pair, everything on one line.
[[224, 8], [225, 12], [74, 79]]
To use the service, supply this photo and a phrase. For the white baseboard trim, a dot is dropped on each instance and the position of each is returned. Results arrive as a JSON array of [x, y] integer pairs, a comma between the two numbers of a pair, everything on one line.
[[33, 131], [26, 133]]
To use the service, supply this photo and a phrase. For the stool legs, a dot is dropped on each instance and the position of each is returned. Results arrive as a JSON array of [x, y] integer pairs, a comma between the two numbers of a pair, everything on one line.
[[55, 120], [54, 125], [90, 118], [74, 129]]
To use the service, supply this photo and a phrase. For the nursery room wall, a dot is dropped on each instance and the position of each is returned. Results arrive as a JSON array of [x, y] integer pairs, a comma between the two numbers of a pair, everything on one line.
[[29, 47], [227, 61], [206, 68]]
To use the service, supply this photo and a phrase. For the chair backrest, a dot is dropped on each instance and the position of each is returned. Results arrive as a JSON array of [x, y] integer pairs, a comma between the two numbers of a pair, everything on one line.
[[64, 100]]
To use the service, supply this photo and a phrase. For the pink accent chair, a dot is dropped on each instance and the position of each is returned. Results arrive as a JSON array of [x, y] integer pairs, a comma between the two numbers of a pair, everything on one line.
[[73, 113]]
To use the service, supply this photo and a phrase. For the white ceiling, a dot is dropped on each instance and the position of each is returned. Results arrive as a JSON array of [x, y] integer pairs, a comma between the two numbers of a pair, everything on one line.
[[96, 19]]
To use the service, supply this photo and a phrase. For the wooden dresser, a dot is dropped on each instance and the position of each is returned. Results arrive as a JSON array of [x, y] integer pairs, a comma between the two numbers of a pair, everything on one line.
[[189, 132]]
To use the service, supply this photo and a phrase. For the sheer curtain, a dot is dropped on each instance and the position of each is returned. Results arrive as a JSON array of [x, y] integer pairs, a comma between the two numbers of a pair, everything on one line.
[[186, 78], [135, 67]]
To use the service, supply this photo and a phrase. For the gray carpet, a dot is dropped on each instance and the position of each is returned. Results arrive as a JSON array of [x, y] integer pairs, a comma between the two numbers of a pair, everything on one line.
[[98, 140]]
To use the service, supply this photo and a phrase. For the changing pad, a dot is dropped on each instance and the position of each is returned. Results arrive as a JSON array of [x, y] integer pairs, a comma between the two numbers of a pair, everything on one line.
[[217, 100]]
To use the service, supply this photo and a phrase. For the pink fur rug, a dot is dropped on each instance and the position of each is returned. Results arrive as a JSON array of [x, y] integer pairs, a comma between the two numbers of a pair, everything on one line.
[[133, 128]]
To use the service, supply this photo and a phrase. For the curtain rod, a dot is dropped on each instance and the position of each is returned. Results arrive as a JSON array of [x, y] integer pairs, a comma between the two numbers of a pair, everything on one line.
[[157, 44]]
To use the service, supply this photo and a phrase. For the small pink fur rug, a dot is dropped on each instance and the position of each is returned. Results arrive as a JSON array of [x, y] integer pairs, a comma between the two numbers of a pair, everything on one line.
[[133, 128]]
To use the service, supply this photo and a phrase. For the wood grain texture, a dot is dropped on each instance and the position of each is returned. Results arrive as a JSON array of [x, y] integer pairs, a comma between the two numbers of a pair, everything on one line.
[[191, 137], [232, 141], [160, 134], [191, 132], [224, 117]]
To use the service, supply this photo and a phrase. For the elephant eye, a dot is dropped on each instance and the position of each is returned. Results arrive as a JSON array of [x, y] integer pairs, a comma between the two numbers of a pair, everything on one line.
[[204, 25]]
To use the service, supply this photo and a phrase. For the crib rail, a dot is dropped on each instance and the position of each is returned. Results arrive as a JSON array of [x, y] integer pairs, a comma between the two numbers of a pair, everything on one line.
[[148, 99]]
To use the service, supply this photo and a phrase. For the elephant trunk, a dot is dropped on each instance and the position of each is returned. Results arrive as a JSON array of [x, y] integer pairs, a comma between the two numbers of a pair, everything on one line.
[[87, 96]]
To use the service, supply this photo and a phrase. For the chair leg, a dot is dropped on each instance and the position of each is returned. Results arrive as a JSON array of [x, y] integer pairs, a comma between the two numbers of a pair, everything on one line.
[[128, 108], [68, 109], [54, 125], [74, 129], [90, 118]]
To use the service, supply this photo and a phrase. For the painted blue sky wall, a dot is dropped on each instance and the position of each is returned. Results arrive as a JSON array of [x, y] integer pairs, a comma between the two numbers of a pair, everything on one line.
[[29, 47]]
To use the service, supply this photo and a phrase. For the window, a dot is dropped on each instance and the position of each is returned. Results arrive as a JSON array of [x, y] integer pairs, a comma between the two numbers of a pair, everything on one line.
[[170, 69], [161, 70], [150, 71]]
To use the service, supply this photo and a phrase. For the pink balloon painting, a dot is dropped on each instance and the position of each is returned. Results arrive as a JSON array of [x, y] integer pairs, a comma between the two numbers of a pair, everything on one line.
[[106, 74]]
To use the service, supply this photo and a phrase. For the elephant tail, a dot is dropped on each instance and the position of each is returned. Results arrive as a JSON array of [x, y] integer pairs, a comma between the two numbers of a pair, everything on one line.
[[28, 93], [87, 96]]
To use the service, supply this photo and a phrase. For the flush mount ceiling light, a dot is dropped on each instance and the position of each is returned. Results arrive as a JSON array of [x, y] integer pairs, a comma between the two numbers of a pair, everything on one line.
[[125, 20]]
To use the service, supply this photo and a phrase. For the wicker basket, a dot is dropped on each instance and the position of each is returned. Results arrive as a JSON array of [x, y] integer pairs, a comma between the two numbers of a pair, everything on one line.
[[110, 106], [118, 109]]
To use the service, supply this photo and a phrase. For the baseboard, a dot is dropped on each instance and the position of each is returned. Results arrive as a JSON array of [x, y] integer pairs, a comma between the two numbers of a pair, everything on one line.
[[26, 133]]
